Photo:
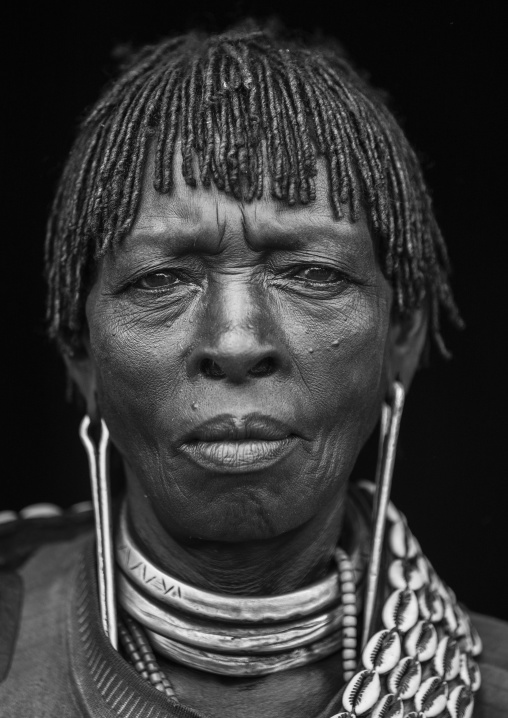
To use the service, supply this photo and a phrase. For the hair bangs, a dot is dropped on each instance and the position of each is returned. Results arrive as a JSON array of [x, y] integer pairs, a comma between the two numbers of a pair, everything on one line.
[[250, 111]]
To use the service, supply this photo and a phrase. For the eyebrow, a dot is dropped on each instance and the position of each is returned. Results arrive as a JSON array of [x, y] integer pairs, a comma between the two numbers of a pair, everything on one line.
[[188, 237]]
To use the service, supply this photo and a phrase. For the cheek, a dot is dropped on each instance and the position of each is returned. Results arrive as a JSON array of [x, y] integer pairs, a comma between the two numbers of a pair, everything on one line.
[[139, 372], [341, 358]]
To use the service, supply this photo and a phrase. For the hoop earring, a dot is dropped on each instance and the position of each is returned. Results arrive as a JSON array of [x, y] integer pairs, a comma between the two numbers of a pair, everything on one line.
[[391, 416], [99, 479]]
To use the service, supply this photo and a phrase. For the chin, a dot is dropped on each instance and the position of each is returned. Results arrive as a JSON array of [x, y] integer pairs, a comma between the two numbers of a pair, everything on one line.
[[239, 519]]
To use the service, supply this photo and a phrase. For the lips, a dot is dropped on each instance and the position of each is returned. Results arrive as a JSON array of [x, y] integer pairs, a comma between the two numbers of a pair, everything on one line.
[[229, 444], [230, 428]]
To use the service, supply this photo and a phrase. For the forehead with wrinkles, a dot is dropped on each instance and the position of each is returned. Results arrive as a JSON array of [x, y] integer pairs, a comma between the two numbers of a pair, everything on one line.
[[200, 219]]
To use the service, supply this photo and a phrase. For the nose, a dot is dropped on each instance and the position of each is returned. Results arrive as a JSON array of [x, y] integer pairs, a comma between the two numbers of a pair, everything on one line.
[[236, 343], [237, 360]]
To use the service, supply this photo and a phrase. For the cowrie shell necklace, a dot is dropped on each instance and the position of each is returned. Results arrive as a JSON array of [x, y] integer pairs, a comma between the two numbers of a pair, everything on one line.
[[421, 663]]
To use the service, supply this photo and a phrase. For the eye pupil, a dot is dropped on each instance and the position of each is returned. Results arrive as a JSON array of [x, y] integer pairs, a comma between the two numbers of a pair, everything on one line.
[[319, 274], [157, 280]]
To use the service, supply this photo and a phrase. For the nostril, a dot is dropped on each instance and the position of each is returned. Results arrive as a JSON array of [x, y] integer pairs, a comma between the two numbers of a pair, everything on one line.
[[211, 369], [265, 367], [237, 368]]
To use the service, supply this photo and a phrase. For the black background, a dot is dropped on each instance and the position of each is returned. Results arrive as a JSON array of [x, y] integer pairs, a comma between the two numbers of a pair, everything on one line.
[[443, 69]]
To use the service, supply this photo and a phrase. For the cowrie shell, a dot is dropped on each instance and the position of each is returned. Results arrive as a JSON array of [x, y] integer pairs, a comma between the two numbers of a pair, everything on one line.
[[7, 516], [368, 486], [471, 642], [382, 652], [431, 697], [450, 617], [469, 672], [434, 581], [388, 707], [444, 591], [431, 605], [421, 641], [462, 621], [402, 542], [446, 662], [40, 511], [460, 702], [403, 573], [401, 610], [423, 567], [466, 644], [405, 678], [392, 513], [362, 692], [477, 645]]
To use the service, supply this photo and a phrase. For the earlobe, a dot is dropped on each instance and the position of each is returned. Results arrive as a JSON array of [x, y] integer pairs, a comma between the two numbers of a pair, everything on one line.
[[81, 369], [407, 340]]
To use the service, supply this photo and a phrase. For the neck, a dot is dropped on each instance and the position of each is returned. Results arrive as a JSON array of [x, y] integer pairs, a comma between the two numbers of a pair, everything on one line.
[[260, 567]]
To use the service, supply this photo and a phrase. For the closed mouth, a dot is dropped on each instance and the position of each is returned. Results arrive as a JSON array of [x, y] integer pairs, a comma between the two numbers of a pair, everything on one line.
[[234, 456], [231, 445]]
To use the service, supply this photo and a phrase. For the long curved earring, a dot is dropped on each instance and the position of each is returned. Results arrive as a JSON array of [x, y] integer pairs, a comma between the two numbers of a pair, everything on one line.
[[390, 424], [99, 479]]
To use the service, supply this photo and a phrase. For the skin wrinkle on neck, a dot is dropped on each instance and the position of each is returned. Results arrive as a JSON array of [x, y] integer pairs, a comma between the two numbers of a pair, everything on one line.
[[243, 569]]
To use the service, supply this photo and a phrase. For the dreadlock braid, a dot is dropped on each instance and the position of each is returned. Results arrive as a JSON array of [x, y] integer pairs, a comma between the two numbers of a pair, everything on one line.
[[248, 107]]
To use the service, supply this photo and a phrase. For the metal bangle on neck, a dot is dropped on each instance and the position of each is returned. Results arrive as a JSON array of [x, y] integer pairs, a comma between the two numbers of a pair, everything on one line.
[[184, 597], [221, 636], [226, 664], [236, 636]]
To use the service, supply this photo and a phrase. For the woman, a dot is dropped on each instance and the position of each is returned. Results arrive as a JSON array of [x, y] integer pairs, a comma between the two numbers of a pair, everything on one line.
[[244, 272]]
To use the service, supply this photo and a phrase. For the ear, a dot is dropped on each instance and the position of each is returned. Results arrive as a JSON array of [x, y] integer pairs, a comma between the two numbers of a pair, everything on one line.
[[81, 369], [406, 342]]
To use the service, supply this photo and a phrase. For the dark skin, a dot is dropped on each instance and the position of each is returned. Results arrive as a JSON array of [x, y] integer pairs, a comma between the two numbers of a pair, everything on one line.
[[213, 306]]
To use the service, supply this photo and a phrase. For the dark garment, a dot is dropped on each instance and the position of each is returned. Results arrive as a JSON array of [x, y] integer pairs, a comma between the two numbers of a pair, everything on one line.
[[64, 667], [492, 701]]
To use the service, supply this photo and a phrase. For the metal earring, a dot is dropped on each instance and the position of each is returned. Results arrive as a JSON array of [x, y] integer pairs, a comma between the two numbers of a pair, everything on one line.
[[99, 478], [390, 424]]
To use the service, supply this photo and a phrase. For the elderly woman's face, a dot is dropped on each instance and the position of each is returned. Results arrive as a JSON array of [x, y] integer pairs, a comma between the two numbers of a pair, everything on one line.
[[238, 354]]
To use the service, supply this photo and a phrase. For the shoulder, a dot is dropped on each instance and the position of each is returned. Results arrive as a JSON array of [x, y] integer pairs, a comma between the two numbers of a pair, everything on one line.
[[494, 635], [23, 533], [37, 546], [492, 700]]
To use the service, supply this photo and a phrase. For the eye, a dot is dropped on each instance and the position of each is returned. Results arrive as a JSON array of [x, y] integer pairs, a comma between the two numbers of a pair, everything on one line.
[[158, 280], [318, 275]]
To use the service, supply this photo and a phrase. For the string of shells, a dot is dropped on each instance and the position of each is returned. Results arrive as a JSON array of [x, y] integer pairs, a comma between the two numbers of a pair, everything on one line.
[[421, 664]]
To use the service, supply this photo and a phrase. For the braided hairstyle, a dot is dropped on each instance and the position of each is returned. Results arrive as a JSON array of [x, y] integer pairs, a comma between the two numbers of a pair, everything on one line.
[[248, 107]]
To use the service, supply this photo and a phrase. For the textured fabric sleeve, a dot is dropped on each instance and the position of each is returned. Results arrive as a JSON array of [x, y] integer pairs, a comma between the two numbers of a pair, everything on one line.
[[492, 700], [11, 601]]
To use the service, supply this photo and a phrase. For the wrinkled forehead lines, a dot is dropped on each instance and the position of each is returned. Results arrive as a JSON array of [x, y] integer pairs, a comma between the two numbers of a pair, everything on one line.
[[210, 214], [192, 205]]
